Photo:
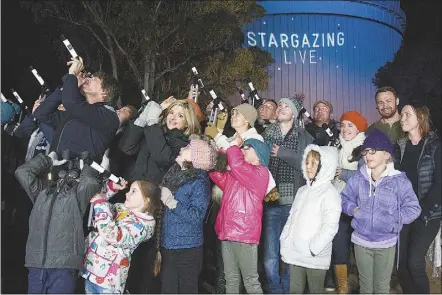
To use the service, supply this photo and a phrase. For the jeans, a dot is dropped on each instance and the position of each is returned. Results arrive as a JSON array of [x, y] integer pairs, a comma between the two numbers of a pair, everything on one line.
[[51, 280], [181, 270], [91, 288], [374, 267], [275, 217], [416, 238], [241, 259]]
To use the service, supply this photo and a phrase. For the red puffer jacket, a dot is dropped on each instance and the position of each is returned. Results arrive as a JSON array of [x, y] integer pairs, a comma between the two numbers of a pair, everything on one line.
[[244, 188]]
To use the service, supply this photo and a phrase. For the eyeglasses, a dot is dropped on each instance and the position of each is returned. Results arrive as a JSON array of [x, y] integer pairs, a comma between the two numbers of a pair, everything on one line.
[[370, 151]]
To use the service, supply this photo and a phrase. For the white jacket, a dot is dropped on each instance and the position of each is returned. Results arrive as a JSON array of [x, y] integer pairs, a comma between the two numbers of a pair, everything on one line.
[[314, 218]]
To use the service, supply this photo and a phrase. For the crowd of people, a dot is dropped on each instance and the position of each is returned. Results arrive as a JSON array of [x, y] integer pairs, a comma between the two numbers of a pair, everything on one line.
[[289, 200]]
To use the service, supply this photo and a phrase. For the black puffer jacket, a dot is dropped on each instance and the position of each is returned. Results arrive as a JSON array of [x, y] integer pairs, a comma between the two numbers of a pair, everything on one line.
[[56, 238], [156, 150], [320, 135], [429, 176]]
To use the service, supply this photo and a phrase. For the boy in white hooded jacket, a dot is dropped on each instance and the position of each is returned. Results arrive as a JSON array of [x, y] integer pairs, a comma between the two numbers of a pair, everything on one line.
[[306, 240]]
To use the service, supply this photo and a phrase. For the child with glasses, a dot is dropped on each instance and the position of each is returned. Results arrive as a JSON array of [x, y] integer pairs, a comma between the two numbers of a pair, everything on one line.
[[381, 200]]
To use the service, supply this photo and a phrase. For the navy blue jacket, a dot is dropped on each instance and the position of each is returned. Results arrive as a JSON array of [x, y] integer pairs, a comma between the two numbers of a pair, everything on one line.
[[83, 126], [183, 226], [28, 125]]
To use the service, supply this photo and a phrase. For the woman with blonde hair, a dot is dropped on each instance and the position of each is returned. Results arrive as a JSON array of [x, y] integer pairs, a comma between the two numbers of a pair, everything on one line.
[[420, 159], [156, 138]]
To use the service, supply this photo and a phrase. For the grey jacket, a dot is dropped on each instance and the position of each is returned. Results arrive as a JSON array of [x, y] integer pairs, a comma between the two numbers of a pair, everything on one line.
[[56, 238], [291, 158]]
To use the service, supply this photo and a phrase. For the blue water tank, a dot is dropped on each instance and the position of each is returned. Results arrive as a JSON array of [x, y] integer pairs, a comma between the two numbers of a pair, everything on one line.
[[329, 50]]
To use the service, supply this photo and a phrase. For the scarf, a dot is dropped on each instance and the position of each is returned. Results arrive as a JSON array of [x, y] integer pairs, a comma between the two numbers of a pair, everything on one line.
[[175, 177], [347, 147]]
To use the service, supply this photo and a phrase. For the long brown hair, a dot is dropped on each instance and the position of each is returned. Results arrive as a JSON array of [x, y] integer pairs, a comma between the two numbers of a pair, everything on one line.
[[423, 117], [151, 193]]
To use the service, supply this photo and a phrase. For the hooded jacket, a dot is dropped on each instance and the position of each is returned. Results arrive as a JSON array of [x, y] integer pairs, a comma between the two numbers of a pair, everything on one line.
[[244, 188], [109, 249], [56, 238], [306, 239], [384, 206]]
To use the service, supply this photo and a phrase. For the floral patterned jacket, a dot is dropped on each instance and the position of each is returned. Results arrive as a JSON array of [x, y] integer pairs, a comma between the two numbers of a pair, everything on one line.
[[118, 233]]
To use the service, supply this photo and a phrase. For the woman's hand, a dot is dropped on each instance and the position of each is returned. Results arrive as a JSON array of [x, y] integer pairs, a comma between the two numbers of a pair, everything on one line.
[[166, 103]]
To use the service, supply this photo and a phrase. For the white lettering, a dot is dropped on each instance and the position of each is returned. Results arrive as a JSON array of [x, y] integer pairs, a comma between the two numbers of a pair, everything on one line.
[[284, 38], [302, 58], [305, 41], [312, 56], [272, 40], [295, 41], [340, 38], [285, 58], [330, 40], [262, 39], [251, 39], [316, 35]]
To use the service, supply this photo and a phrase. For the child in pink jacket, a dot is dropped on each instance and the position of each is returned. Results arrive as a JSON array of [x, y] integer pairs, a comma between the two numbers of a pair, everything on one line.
[[238, 224]]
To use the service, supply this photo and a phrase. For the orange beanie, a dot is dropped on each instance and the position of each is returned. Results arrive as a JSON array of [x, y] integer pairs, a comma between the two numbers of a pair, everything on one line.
[[196, 109], [357, 119]]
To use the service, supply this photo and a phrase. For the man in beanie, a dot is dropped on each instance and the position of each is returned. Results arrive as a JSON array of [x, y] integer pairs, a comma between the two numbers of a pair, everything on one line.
[[287, 141], [242, 120], [387, 103], [322, 114], [266, 115], [238, 224]]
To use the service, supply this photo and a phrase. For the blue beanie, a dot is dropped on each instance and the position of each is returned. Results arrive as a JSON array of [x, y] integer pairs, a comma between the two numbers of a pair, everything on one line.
[[261, 149], [9, 110], [378, 140]]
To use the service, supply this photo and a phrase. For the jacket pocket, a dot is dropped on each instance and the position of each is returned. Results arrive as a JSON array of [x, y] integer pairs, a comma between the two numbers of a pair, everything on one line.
[[99, 261]]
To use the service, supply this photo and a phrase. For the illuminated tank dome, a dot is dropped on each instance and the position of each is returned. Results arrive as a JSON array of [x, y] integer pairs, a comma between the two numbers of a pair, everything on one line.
[[328, 49]]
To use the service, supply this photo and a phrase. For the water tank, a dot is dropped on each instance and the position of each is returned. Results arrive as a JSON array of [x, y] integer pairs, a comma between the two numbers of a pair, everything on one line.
[[329, 50]]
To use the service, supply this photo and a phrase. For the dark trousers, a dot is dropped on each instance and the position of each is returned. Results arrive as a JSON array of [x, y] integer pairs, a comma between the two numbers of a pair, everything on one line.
[[180, 270], [141, 278], [51, 281], [415, 240], [342, 241], [341, 245]]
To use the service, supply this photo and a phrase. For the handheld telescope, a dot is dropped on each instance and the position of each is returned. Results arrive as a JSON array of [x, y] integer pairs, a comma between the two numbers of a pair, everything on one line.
[[44, 87], [4, 98], [253, 93], [69, 46], [217, 106]]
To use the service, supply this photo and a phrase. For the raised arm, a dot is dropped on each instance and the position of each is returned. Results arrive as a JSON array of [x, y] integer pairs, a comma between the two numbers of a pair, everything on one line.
[[47, 111], [95, 115], [254, 178], [29, 175], [127, 233]]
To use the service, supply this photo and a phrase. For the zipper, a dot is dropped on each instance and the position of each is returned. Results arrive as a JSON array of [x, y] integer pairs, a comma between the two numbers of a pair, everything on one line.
[[372, 211], [61, 133], [418, 165]]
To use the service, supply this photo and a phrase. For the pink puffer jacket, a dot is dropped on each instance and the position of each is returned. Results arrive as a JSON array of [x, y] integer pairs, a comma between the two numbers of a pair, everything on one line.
[[244, 188]]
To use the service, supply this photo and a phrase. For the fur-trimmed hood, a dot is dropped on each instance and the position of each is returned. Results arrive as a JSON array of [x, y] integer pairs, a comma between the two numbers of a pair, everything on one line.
[[328, 163]]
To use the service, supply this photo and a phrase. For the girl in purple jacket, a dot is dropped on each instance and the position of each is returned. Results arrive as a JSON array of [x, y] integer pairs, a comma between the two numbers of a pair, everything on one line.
[[380, 199]]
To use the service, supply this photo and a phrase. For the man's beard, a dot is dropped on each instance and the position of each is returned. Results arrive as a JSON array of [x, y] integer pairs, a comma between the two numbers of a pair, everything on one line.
[[388, 115]]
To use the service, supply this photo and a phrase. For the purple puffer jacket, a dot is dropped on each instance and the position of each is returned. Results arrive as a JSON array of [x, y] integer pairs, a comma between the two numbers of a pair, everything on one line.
[[384, 205]]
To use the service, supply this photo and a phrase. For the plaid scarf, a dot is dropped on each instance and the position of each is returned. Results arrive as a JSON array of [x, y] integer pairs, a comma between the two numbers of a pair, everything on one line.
[[282, 172]]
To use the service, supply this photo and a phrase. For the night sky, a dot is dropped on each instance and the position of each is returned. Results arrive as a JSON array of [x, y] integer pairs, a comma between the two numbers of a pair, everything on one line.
[[24, 43]]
